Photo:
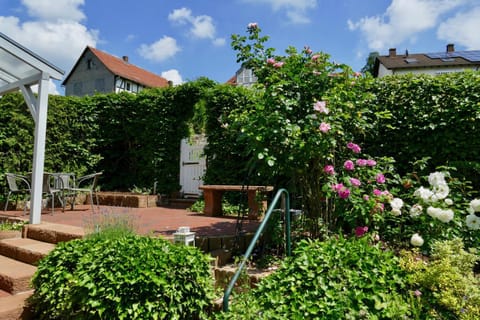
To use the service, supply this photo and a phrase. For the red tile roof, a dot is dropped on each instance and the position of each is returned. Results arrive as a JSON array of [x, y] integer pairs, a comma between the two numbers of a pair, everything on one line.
[[129, 71]]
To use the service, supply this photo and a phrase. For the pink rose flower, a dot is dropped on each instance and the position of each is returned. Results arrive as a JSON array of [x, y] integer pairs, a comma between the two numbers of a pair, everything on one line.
[[324, 127], [360, 231], [348, 165], [338, 186], [377, 192], [252, 25], [371, 163], [278, 64], [329, 169], [355, 182], [361, 162], [354, 147], [344, 193], [315, 57], [271, 61], [380, 178], [321, 106], [366, 197]]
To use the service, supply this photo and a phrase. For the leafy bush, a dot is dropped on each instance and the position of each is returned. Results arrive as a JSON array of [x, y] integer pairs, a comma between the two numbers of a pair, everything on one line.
[[129, 277], [335, 279], [444, 284]]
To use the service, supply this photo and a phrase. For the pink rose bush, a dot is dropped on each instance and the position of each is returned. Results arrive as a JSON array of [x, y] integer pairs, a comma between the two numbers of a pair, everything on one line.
[[360, 189]]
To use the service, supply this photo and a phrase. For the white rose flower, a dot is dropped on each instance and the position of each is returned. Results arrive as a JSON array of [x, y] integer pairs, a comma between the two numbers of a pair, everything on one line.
[[396, 212], [423, 193], [448, 201], [445, 215], [416, 210], [416, 240], [433, 212], [396, 203], [473, 222], [436, 178], [475, 205], [441, 191]]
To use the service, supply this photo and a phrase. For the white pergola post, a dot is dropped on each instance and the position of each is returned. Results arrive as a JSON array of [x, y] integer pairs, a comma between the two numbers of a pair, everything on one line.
[[19, 70], [41, 108]]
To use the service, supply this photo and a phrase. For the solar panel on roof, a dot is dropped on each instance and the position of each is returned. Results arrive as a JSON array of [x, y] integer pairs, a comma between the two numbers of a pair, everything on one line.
[[472, 56]]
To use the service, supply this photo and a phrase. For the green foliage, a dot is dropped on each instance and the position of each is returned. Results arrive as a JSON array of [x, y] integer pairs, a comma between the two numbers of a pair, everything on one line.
[[128, 277], [111, 224], [336, 279], [226, 155], [11, 225], [445, 285], [307, 109], [431, 116], [435, 207]]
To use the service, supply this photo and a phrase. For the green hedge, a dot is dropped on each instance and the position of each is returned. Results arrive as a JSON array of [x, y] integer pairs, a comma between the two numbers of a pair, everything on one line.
[[431, 116], [133, 139]]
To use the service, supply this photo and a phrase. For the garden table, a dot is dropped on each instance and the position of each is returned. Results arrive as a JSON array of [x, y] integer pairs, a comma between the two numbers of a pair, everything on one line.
[[213, 198]]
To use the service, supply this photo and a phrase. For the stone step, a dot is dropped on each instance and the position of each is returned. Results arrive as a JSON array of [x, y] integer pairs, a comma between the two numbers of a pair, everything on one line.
[[13, 307], [53, 232], [15, 276], [25, 250]]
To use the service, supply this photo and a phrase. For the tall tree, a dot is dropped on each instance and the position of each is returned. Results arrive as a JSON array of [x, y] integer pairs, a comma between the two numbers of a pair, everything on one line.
[[370, 64]]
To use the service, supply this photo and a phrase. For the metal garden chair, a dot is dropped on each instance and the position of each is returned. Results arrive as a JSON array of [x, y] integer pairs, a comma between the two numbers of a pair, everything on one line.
[[17, 185], [87, 184]]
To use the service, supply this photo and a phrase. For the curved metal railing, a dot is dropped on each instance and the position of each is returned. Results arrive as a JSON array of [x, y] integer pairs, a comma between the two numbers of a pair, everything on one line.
[[282, 194]]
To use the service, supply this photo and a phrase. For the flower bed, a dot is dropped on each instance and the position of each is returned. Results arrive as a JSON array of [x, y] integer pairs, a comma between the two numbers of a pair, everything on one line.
[[127, 199]]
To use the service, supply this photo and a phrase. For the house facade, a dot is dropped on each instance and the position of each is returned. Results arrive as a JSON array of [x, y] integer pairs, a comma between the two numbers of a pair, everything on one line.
[[99, 72], [427, 63], [243, 77]]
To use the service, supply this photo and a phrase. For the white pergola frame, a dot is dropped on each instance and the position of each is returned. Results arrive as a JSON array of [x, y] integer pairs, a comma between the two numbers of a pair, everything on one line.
[[39, 71]]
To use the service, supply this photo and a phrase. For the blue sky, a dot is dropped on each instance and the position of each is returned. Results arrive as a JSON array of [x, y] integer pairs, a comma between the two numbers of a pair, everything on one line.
[[184, 40]]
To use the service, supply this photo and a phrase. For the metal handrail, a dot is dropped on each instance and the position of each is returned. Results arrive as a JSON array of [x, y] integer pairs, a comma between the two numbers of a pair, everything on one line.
[[241, 266]]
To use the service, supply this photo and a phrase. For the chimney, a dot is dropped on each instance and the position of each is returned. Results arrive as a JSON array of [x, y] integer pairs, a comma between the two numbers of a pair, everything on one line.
[[450, 47], [125, 58], [392, 52]]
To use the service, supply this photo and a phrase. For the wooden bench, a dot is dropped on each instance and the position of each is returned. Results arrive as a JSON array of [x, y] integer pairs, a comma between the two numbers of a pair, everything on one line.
[[213, 198]]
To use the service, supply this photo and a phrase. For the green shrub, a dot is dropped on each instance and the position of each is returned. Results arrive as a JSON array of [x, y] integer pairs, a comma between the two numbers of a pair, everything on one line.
[[335, 279], [445, 285], [129, 277]]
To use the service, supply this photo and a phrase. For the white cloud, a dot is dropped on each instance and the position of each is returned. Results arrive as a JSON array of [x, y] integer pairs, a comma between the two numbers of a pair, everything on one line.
[[402, 21], [296, 10], [54, 31], [173, 75], [201, 27], [218, 42], [160, 50], [462, 29], [53, 10]]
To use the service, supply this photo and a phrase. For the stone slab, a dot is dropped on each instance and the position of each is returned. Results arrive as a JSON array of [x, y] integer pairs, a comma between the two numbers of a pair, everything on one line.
[[26, 250], [15, 275]]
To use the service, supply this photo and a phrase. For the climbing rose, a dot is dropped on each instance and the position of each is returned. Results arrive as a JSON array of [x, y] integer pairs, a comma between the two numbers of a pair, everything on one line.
[[416, 240], [475, 205], [473, 222], [338, 186], [324, 127], [416, 210], [252, 25], [278, 64], [344, 193], [329, 169], [354, 147], [348, 165], [321, 106], [360, 231], [271, 61], [355, 182], [361, 162], [380, 178], [371, 163]]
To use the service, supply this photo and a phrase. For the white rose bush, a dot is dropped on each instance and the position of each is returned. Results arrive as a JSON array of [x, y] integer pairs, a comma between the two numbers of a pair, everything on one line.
[[440, 210]]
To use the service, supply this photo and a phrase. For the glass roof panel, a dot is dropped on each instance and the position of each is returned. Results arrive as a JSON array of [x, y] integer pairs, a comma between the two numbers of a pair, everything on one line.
[[14, 68]]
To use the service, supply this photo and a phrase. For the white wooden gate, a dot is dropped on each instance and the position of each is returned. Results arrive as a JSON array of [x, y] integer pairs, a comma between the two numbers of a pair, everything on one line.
[[192, 164]]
